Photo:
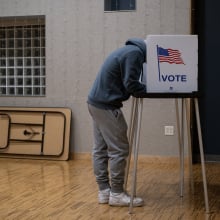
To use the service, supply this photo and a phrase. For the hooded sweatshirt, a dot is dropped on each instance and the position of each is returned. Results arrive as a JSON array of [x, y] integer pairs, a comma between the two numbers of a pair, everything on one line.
[[119, 76]]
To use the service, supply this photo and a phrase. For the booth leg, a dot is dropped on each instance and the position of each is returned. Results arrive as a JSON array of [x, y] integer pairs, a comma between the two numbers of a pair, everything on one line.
[[131, 133], [189, 143], [201, 155], [181, 142], [137, 140]]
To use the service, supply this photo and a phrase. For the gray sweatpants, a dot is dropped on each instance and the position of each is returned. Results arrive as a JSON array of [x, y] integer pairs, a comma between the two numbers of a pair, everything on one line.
[[111, 147]]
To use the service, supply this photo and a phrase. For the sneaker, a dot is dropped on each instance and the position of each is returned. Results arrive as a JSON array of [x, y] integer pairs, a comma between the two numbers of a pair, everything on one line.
[[103, 196], [122, 199]]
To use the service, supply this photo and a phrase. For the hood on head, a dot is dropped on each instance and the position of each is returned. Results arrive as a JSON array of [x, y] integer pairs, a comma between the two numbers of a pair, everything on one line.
[[138, 42]]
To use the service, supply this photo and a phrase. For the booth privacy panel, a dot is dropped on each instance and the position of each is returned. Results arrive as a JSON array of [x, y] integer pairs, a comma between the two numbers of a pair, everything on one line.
[[172, 64]]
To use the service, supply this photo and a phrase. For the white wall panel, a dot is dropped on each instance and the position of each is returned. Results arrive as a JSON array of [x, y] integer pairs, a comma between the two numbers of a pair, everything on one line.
[[79, 35], [167, 10]]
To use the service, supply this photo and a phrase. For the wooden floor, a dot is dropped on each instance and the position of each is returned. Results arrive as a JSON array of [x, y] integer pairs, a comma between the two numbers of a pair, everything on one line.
[[66, 190]]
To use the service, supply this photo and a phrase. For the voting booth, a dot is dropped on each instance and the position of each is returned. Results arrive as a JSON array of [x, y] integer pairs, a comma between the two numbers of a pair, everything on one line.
[[172, 64], [171, 71]]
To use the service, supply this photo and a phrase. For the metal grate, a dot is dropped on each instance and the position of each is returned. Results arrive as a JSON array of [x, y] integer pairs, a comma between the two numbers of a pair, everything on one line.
[[22, 60]]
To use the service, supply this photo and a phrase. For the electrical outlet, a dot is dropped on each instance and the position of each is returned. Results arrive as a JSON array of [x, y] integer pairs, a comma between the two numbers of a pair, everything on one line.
[[169, 130]]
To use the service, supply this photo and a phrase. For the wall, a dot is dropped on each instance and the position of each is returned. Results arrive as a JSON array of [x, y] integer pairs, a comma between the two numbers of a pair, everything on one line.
[[208, 14], [79, 35]]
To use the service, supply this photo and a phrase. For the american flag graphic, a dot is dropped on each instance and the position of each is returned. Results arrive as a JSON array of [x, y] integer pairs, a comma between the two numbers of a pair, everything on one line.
[[169, 55]]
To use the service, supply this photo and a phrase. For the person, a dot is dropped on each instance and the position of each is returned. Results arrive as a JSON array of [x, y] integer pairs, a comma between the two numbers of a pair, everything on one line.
[[117, 80]]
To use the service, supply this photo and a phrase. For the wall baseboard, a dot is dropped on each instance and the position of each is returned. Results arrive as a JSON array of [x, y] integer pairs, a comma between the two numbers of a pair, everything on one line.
[[141, 158], [208, 158]]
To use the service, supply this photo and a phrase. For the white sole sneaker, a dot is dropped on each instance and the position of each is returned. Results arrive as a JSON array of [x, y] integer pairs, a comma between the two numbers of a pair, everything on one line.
[[122, 199], [103, 196]]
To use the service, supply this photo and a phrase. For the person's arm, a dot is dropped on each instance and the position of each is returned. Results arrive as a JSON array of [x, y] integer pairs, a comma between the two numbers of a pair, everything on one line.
[[131, 68]]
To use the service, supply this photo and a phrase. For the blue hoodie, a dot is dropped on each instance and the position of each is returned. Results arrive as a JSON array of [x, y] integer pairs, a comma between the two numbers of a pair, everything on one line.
[[119, 76]]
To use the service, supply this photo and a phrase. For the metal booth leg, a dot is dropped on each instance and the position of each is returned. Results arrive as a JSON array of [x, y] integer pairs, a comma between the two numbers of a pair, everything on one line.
[[136, 145], [184, 111], [201, 155], [180, 132], [131, 133], [189, 143]]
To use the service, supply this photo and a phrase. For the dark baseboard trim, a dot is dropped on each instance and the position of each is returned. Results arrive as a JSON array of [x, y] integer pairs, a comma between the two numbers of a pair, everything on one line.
[[208, 158]]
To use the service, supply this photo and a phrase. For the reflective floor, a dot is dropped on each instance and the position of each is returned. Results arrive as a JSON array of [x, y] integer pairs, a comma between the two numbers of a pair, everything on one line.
[[66, 190]]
